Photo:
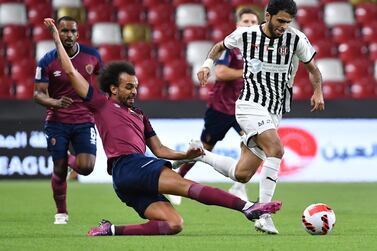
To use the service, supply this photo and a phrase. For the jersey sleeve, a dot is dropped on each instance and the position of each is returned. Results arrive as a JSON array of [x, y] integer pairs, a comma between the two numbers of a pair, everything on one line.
[[41, 74], [234, 39], [305, 51], [99, 64], [95, 99], [148, 129], [224, 58]]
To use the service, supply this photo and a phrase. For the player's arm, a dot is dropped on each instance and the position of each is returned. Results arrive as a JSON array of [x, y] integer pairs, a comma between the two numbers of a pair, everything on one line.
[[226, 73], [213, 55], [161, 151], [78, 82], [317, 102], [41, 97]]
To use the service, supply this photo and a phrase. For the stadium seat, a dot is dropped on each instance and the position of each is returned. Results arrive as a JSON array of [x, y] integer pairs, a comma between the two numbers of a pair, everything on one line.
[[237, 3], [335, 90], [147, 69], [365, 12], [197, 51], [36, 2], [138, 52], [19, 50], [170, 51], [180, 2], [176, 69], [301, 74], [3, 66], [14, 33], [204, 92], [358, 68], [24, 88], [364, 88], [153, 3], [100, 14], [112, 52], [85, 31], [181, 89], [160, 14], [122, 3], [5, 87], [93, 3], [13, 13], [220, 31], [331, 69], [345, 32], [195, 33], [309, 15], [302, 89], [106, 33], [132, 13], [304, 3], [338, 13], [369, 33], [42, 47], [36, 13], [79, 13], [23, 69], [40, 33], [210, 3], [349, 51], [372, 48], [56, 4], [133, 33], [219, 13], [190, 15], [325, 49], [316, 32], [164, 33], [151, 89], [375, 69]]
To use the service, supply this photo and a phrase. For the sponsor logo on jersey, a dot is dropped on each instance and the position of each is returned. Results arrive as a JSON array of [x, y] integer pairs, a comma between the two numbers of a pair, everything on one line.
[[57, 73], [283, 50]]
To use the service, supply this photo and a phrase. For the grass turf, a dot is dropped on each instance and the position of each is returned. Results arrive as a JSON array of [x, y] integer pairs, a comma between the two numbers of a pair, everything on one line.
[[27, 212]]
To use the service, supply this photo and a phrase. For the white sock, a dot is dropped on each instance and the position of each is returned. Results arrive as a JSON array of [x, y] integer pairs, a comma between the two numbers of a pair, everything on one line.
[[222, 164], [247, 205], [238, 185], [268, 179], [112, 228]]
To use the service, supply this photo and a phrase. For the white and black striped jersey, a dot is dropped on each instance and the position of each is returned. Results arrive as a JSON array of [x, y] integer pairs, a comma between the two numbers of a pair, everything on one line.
[[268, 64]]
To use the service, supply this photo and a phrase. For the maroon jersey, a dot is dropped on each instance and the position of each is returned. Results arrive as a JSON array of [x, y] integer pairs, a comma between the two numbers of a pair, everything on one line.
[[225, 93], [88, 62], [123, 130]]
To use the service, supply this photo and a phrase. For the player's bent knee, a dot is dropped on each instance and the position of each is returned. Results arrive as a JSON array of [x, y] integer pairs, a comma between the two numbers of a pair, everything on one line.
[[85, 170], [243, 177], [175, 227]]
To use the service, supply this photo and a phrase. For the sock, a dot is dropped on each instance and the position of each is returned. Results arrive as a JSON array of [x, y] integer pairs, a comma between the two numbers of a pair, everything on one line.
[[222, 164], [183, 170], [72, 162], [214, 196], [59, 190], [152, 227], [238, 185], [268, 179]]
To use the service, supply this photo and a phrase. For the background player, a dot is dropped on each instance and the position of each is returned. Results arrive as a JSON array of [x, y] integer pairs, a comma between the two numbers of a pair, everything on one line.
[[68, 119], [219, 116], [268, 51], [139, 180]]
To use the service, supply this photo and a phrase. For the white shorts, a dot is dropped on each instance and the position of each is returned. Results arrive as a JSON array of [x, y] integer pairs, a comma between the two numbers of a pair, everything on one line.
[[255, 119]]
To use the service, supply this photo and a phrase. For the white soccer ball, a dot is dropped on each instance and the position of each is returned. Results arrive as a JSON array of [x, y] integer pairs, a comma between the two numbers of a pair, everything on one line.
[[318, 219]]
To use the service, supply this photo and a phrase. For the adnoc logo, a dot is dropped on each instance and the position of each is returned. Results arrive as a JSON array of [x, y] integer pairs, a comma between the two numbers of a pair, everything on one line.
[[300, 148]]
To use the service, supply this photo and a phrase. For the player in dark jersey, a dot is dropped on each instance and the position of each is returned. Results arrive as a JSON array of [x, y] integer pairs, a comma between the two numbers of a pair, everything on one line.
[[68, 120], [219, 117], [138, 180]]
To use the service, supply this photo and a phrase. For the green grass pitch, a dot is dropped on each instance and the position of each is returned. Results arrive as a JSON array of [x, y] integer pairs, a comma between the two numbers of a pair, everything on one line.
[[27, 211]]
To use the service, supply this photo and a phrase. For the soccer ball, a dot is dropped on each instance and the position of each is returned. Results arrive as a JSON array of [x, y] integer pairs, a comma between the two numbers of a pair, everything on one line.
[[318, 219]]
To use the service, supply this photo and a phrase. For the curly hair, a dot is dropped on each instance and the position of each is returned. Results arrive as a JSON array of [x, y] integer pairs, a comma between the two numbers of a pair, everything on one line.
[[289, 6], [111, 72]]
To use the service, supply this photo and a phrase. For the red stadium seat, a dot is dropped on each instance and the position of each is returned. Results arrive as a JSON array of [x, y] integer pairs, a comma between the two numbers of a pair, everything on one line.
[[349, 51], [36, 2], [24, 88], [209, 3], [316, 32], [325, 49], [164, 33], [219, 13], [23, 69], [147, 69], [160, 14], [176, 69], [40, 33], [358, 68], [132, 13], [373, 51], [364, 88], [93, 3], [36, 13], [237, 3], [308, 15], [170, 51], [302, 89], [204, 92], [3, 67], [154, 3], [151, 89], [369, 33], [85, 32], [181, 89], [345, 32], [14, 33], [112, 52], [122, 3], [179, 2], [219, 32], [335, 89], [19, 50], [5, 87], [138, 52], [100, 13], [365, 12], [194, 33]]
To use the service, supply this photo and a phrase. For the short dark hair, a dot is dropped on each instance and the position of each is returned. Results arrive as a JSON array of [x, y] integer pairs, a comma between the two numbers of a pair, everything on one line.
[[111, 72], [66, 18], [289, 6], [246, 10]]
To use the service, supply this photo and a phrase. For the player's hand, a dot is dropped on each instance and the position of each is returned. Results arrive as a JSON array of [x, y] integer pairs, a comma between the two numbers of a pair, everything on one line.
[[194, 152], [63, 102], [203, 75], [50, 24], [317, 102]]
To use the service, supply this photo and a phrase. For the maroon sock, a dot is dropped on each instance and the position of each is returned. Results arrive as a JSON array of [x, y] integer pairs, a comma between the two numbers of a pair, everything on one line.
[[72, 162], [153, 227], [183, 170], [59, 190], [214, 196]]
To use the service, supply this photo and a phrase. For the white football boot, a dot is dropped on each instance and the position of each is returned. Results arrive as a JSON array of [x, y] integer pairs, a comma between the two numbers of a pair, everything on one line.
[[61, 219], [239, 189], [265, 224]]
